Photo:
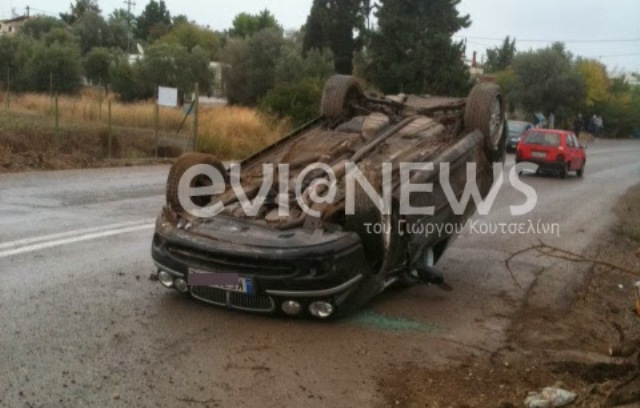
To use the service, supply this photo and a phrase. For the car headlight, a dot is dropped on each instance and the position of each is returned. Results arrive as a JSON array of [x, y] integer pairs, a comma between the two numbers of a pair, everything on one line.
[[321, 309]]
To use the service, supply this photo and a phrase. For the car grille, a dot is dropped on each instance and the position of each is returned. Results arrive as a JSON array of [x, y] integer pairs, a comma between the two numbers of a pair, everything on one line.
[[234, 300]]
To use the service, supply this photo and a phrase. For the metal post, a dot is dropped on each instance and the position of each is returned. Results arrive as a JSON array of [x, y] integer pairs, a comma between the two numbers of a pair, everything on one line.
[[57, 114], [196, 109], [57, 121], [51, 88], [156, 119], [109, 127], [8, 101], [100, 106]]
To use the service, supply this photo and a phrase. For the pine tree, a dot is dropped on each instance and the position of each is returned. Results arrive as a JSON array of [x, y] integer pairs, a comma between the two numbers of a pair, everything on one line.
[[412, 51], [334, 24], [500, 58]]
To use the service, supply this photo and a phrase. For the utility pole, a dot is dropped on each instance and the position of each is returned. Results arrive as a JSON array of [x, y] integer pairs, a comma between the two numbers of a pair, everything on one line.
[[28, 11], [129, 3]]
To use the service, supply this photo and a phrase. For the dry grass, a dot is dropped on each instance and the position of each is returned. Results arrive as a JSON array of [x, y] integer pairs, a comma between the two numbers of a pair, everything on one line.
[[227, 132], [234, 132]]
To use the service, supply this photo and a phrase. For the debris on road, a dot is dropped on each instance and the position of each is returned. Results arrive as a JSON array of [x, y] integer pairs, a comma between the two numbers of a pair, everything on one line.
[[550, 397]]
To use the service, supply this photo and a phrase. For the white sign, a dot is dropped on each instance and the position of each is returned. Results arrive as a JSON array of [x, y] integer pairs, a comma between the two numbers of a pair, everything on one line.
[[167, 96]]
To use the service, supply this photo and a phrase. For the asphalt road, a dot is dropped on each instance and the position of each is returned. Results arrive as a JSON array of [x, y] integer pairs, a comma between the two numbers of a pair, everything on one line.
[[82, 325]]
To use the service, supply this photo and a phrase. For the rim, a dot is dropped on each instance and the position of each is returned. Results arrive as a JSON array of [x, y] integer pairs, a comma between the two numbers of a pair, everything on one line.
[[496, 123]]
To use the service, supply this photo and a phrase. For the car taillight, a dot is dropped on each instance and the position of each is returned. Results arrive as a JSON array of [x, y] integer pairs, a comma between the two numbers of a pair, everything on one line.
[[560, 157]]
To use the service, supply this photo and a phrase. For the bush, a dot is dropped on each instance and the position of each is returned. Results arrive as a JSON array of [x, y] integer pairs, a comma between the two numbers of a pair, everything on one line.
[[129, 84], [300, 100]]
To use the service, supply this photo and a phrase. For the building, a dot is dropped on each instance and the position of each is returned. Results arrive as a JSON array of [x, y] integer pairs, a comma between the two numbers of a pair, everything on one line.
[[10, 27]]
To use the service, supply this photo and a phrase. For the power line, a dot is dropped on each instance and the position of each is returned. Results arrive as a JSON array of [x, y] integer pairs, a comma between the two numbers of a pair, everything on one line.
[[551, 41], [619, 55]]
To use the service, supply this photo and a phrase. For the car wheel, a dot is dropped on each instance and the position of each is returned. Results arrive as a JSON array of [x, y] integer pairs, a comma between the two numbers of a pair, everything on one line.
[[580, 171], [180, 166], [339, 92], [485, 111]]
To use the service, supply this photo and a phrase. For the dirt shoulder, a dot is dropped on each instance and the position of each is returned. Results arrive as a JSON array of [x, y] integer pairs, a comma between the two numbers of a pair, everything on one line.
[[565, 344]]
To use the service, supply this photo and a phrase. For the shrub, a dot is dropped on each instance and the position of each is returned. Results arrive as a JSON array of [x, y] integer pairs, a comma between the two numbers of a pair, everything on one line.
[[299, 101]]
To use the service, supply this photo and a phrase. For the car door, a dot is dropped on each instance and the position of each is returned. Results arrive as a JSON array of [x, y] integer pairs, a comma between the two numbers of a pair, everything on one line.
[[570, 145]]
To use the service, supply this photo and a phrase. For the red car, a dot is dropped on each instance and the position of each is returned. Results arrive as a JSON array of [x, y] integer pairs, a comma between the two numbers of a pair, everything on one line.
[[557, 151]]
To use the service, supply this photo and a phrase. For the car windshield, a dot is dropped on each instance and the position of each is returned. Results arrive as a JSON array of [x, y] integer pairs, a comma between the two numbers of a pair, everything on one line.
[[517, 127], [543, 139]]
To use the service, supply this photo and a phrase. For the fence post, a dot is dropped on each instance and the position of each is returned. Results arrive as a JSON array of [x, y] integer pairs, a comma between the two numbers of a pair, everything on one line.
[[8, 101], [156, 119], [100, 106], [109, 128], [196, 109], [56, 113], [57, 120]]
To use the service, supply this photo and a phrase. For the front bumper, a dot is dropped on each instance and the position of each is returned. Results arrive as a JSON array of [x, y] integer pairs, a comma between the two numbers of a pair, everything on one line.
[[299, 271]]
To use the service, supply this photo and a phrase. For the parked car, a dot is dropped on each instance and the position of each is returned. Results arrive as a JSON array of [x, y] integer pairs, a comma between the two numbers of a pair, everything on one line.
[[557, 151], [516, 130], [334, 262]]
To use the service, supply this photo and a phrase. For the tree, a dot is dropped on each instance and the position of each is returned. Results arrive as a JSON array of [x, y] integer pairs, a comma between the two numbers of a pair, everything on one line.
[[500, 58], [235, 55], [547, 80], [154, 21], [60, 35], [79, 9], [264, 52], [119, 23], [596, 81], [245, 25], [251, 65], [92, 31], [97, 66], [60, 62], [333, 23], [293, 66], [190, 36], [40, 26], [412, 51]]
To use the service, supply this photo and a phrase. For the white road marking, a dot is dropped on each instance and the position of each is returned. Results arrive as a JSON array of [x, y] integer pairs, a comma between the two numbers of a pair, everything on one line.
[[30, 241], [74, 239]]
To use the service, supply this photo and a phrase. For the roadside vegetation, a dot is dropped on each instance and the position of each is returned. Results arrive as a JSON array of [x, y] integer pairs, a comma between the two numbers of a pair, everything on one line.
[[273, 78], [552, 80]]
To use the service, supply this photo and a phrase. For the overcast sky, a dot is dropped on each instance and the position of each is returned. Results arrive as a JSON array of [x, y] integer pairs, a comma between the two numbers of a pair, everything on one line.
[[608, 31]]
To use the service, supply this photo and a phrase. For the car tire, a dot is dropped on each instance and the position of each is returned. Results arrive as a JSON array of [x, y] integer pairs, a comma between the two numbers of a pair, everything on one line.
[[339, 92], [580, 171], [485, 111], [179, 167]]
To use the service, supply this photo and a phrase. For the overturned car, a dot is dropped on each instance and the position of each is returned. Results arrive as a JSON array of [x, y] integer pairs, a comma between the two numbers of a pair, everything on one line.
[[324, 220]]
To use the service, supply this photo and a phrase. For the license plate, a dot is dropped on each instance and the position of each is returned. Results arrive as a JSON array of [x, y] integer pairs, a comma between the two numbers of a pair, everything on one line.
[[231, 282], [539, 155]]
